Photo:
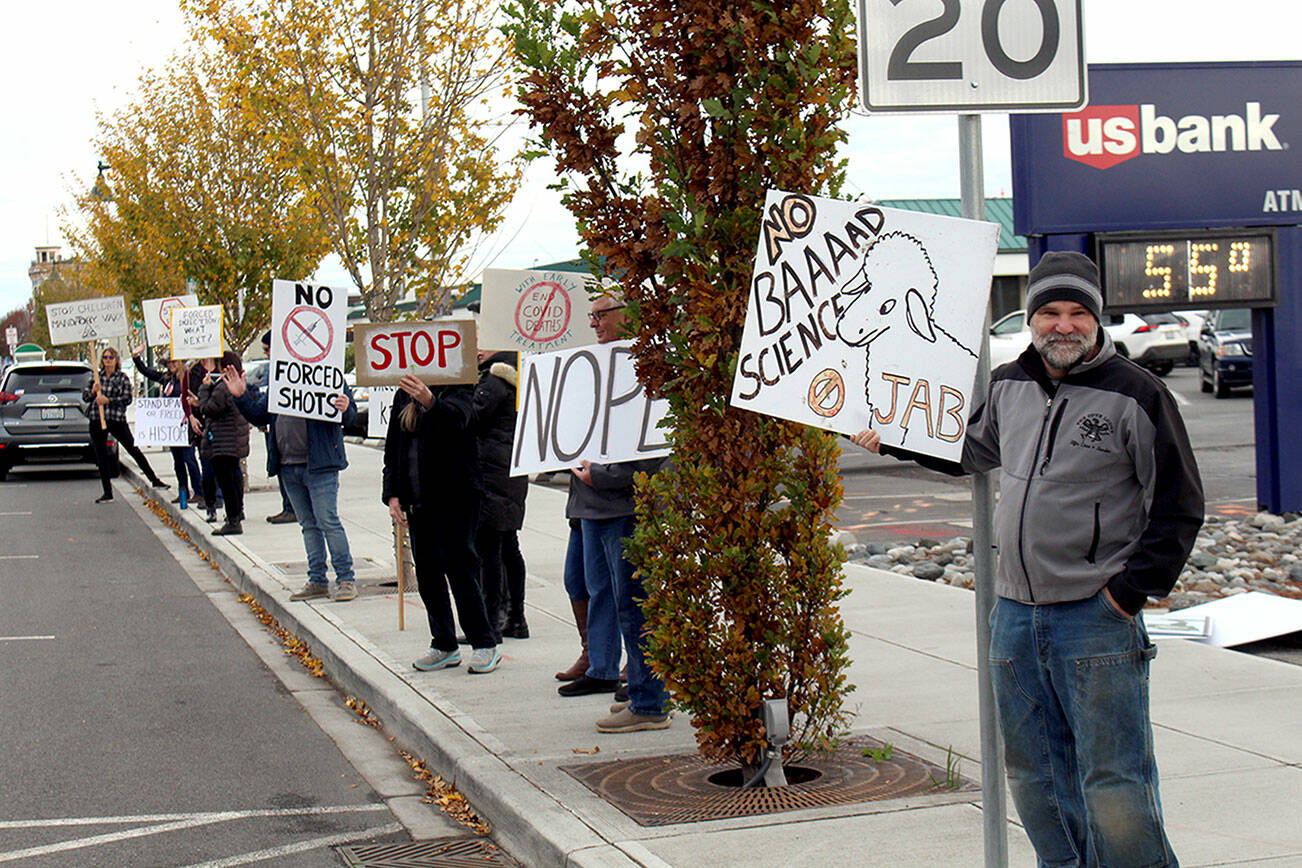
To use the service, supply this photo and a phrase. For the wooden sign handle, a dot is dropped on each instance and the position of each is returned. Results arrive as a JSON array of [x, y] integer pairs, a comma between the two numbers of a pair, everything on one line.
[[402, 574], [95, 372]]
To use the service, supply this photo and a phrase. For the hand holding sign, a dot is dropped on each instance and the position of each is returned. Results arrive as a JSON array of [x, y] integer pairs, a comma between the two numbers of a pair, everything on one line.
[[418, 391]]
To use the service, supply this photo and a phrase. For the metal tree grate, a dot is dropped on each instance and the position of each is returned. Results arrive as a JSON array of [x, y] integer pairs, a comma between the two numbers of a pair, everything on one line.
[[437, 853], [660, 791]]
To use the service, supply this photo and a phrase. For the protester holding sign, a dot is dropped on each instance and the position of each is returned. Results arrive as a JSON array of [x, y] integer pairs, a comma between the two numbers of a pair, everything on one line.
[[225, 441], [212, 495], [501, 511], [1099, 507], [112, 392], [309, 454], [183, 460], [601, 497], [431, 483]]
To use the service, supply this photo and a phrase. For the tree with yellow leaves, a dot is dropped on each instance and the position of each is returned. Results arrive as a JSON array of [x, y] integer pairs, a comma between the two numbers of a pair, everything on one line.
[[196, 195], [384, 109]]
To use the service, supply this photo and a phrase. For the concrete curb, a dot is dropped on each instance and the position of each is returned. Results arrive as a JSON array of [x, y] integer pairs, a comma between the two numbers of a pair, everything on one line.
[[530, 824]]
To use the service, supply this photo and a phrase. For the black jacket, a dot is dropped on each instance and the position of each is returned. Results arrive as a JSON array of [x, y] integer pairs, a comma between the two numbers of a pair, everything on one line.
[[225, 431], [447, 453], [502, 506]]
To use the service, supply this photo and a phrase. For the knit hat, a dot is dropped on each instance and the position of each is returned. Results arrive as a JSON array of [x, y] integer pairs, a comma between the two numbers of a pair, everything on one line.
[[1064, 276]]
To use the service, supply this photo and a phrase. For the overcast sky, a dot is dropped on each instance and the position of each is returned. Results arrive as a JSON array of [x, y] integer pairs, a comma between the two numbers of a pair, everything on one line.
[[66, 60]]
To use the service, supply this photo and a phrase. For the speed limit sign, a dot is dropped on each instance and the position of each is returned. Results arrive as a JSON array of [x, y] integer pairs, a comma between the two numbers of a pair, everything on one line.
[[971, 55]]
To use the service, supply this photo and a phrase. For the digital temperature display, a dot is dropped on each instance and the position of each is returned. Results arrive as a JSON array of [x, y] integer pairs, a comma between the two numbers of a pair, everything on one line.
[[1189, 271]]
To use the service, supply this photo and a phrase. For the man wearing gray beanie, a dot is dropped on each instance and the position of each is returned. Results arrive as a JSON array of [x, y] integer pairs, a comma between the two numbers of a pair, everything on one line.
[[1099, 504]]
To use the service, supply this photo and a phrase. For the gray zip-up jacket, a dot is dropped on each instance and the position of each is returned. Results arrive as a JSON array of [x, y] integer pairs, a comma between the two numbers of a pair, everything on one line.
[[1098, 484]]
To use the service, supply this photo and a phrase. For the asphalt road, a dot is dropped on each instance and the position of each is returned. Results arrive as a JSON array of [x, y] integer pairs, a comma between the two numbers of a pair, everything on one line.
[[892, 501], [133, 711]]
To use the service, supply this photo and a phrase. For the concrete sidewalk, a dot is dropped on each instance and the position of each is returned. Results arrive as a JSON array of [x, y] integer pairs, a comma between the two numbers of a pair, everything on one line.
[[1228, 725]]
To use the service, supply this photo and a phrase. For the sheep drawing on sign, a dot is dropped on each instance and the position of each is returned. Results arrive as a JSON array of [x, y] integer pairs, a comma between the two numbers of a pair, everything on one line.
[[888, 308]]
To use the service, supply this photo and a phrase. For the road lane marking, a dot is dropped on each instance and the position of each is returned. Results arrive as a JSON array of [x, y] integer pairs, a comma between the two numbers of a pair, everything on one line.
[[205, 816], [23, 638], [15, 513], [300, 847], [182, 821], [19, 557]]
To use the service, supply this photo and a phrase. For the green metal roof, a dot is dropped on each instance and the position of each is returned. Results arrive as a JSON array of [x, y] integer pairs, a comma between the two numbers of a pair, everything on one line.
[[998, 210]]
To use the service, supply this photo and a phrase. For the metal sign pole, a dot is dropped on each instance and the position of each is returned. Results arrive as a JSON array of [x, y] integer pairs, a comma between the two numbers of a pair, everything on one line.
[[993, 809]]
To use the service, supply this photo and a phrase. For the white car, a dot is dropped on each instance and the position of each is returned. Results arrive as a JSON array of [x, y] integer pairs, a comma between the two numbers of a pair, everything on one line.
[[1155, 340]]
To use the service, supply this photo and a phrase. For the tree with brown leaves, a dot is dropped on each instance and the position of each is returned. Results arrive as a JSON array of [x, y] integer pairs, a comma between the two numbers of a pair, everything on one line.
[[670, 121]]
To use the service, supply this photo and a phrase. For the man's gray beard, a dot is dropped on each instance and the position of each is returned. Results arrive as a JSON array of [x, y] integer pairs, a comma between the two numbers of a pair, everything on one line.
[[1061, 352]]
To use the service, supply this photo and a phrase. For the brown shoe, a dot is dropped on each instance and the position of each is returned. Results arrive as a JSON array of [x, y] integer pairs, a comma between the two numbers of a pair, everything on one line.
[[625, 720]]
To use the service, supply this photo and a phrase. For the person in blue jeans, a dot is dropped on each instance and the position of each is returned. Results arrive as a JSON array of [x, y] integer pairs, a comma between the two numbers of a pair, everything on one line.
[[1100, 502], [601, 498], [308, 454], [184, 463]]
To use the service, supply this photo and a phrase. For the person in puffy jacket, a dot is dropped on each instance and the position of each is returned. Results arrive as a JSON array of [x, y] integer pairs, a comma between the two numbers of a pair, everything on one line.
[[224, 441], [501, 508]]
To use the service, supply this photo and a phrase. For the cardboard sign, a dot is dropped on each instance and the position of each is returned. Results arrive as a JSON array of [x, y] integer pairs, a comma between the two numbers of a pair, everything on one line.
[[307, 350], [442, 351], [534, 311], [378, 409], [73, 322], [584, 404], [158, 316], [196, 332], [161, 422], [866, 317]]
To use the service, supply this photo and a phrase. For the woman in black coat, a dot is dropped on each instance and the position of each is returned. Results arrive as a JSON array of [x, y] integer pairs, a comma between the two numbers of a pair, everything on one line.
[[501, 511], [225, 440], [431, 484]]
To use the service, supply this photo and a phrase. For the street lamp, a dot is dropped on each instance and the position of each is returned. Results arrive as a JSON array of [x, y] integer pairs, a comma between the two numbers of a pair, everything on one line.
[[101, 192]]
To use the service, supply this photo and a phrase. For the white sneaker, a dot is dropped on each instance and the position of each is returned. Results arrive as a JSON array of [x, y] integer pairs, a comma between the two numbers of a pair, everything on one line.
[[435, 659], [484, 660]]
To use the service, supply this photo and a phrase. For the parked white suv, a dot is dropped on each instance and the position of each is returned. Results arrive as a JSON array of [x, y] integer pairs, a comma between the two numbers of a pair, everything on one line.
[[1155, 340]]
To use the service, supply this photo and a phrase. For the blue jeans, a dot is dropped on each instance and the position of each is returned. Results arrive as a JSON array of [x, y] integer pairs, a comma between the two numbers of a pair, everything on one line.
[[611, 580], [315, 497], [1071, 690], [575, 586], [183, 460]]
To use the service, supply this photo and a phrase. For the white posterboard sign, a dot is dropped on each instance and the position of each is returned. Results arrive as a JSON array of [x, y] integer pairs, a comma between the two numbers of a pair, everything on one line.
[[158, 316], [378, 409], [306, 372], [196, 332], [584, 404], [441, 351], [161, 422], [534, 311], [866, 317], [74, 322]]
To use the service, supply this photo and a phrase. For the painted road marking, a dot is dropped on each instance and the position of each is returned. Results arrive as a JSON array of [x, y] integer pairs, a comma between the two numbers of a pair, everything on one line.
[[170, 823], [15, 513], [19, 557], [299, 847], [23, 638]]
